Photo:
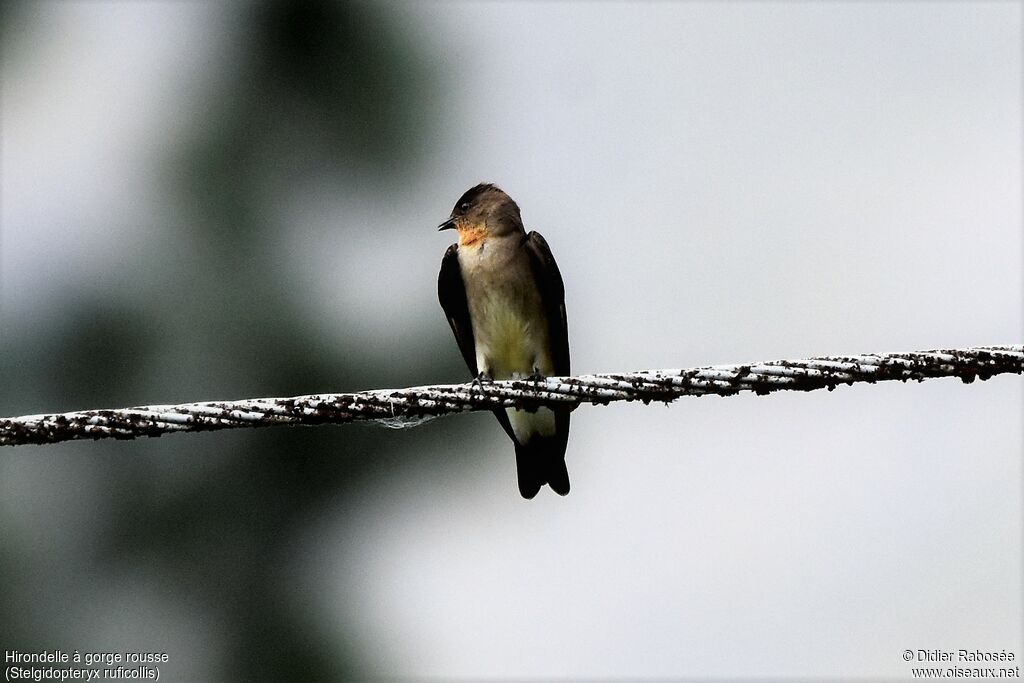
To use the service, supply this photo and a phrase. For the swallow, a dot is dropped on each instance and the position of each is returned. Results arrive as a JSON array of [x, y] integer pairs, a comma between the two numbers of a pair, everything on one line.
[[503, 295]]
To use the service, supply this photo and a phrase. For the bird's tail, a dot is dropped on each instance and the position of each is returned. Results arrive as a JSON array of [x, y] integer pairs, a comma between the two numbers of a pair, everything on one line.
[[542, 461]]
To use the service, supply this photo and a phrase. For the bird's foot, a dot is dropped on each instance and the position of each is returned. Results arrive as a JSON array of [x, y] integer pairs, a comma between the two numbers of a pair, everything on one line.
[[536, 376], [481, 379]]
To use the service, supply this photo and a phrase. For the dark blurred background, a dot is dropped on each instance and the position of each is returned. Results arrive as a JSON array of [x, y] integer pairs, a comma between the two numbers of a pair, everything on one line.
[[328, 94], [205, 201]]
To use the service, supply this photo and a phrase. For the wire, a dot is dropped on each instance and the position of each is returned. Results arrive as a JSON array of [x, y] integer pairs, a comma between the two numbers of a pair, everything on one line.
[[400, 408]]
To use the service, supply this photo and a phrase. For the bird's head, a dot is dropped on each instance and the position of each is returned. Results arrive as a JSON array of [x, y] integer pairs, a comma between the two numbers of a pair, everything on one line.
[[483, 212]]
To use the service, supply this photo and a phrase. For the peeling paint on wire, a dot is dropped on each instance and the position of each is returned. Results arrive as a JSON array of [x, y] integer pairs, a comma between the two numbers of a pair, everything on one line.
[[402, 408]]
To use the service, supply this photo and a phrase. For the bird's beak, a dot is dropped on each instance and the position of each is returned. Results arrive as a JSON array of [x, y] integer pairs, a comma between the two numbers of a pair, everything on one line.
[[447, 225]]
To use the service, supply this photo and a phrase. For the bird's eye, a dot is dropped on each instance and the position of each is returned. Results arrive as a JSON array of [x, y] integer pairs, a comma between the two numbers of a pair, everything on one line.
[[464, 206]]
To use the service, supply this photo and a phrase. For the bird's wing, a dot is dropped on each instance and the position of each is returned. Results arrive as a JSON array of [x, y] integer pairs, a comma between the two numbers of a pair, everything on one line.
[[451, 292], [552, 294], [544, 460]]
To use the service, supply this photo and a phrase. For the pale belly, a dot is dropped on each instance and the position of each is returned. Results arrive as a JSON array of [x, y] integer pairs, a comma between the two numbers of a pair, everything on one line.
[[512, 343]]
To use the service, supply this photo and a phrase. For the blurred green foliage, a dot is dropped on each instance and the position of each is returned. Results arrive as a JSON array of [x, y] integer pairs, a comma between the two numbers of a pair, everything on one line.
[[318, 88]]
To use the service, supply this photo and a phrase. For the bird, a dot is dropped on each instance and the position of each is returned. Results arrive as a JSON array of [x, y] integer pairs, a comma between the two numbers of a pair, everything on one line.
[[504, 298]]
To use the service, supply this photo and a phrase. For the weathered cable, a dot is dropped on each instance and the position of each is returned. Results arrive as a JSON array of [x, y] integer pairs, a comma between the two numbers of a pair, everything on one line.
[[408, 407]]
